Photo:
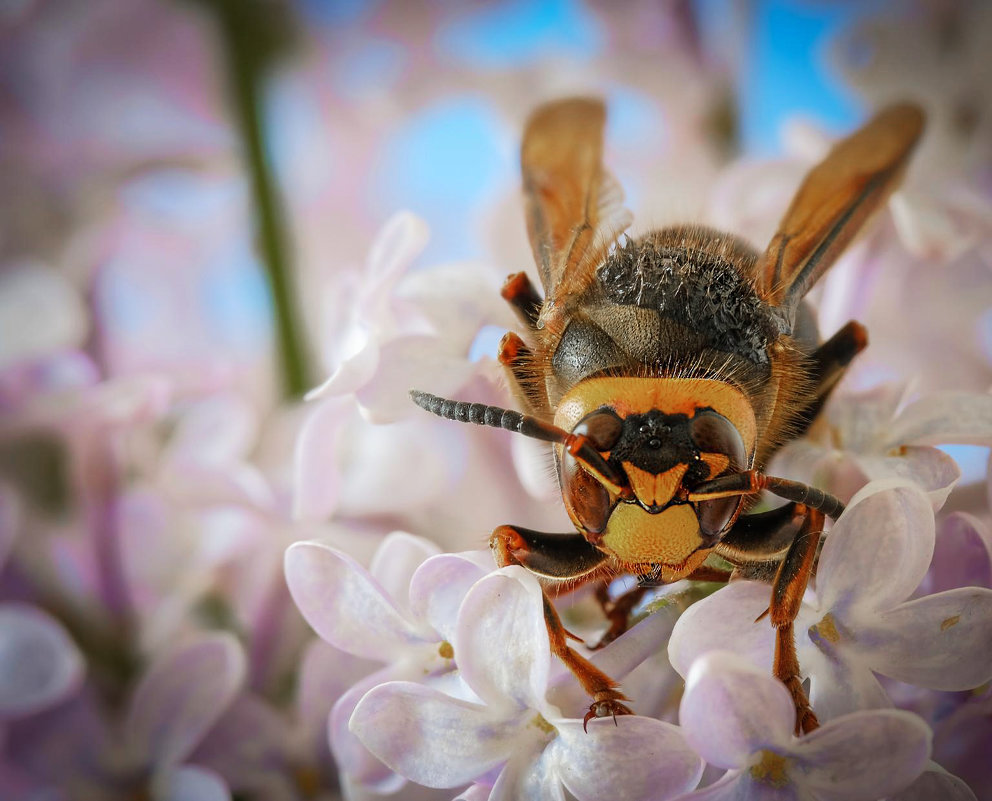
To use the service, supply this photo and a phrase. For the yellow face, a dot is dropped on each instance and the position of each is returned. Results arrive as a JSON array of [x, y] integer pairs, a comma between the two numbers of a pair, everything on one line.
[[668, 435]]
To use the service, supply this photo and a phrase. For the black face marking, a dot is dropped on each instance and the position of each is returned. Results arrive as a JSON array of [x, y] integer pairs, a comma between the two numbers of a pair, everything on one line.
[[700, 290], [656, 442]]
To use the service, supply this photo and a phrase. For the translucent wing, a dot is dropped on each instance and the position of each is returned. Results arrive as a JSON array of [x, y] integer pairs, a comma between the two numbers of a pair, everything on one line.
[[574, 210], [833, 203]]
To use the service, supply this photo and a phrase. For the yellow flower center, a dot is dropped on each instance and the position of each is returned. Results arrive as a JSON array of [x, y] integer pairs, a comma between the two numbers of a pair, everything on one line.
[[446, 650], [826, 628], [543, 725], [771, 769]]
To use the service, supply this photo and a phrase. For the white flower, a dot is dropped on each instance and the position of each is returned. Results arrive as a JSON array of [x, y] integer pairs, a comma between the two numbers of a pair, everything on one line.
[[858, 622], [400, 613], [503, 725], [740, 718], [866, 437], [403, 327]]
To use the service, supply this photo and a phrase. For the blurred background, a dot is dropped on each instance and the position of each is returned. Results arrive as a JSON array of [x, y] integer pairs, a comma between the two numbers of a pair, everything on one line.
[[197, 226], [145, 145]]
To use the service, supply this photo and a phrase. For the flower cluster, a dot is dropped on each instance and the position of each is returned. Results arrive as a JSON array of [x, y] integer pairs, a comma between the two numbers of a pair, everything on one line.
[[209, 590]]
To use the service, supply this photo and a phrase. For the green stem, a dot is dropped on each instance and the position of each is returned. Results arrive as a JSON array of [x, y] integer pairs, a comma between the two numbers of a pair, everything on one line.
[[250, 37]]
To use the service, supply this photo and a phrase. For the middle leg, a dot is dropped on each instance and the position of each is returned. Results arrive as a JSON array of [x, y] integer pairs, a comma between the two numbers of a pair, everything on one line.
[[787, 595]]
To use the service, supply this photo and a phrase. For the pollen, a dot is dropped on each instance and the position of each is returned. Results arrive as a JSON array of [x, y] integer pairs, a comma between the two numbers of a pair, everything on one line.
[[446, 650], [771, 769], [540, 723], [826, 629], [948, 622]]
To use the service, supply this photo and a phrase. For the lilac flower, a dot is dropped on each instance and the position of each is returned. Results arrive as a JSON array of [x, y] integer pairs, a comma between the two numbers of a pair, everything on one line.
[[866, 437], [399, 613], [740, 718], [85, 753], [962, 555], [39, 663], [501, 725], [177, 702], [935, 782], [859, 622], [400, 326]]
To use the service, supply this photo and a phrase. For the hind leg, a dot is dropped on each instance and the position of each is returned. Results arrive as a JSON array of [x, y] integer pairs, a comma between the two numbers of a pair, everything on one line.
[[830, 362]]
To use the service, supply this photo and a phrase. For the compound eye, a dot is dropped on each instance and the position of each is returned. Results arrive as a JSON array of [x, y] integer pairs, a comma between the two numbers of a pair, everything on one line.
[[720, 446], [714, 437], [714, 516], [602, 428], [587, 501]]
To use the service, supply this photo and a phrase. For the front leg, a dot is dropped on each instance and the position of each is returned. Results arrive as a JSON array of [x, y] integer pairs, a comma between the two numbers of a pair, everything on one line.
[[565, 559]]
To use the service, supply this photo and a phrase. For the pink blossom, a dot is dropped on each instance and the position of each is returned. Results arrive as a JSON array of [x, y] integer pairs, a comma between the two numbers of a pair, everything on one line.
[[740, 718], [860, 619], [500, 723]]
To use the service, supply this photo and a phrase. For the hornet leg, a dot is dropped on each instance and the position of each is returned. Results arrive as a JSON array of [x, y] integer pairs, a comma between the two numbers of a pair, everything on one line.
[[787, 595], [830, 362], [564, 559], [785, 538]]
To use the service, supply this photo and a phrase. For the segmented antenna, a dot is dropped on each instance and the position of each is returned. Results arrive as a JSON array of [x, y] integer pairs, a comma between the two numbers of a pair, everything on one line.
[[483, 415]]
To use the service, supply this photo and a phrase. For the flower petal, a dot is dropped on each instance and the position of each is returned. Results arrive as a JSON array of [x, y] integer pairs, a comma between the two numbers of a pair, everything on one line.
[[864, 755], [39, 663], [458, 299], [935, 782], [732, 709], [190, 783], [860, 416], [353, 759], [962, 556], [430, 737], [643, 639], [325, 674], [344, 604], [181, 696], [840, 682], [403, 363], [931, 469], [396, 245], [353, 372], [475, 792], [526, 777], [942, 641], [397, 559], [219, 429], [944, 418], [636, 758], [737, 786], [726, 620], [250, 742], [501, 640], [439, 586], [315, 465], [879, 550]]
